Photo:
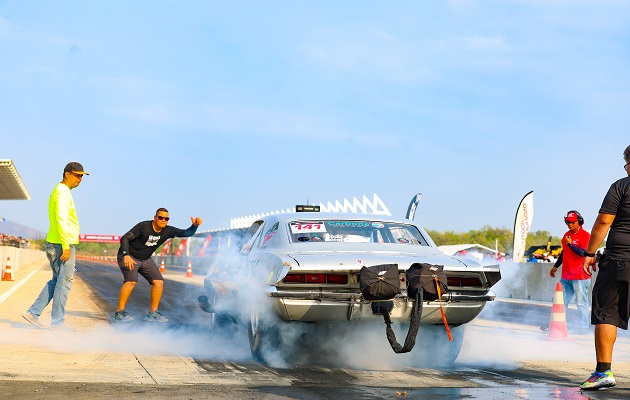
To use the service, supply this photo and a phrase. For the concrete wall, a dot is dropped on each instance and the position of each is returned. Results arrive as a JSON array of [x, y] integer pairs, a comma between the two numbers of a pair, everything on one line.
[[529, 281], [19, 258]]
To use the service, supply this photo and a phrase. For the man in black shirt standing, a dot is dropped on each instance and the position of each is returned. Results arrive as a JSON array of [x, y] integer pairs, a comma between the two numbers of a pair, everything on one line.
[[134, 257], [611, 306]]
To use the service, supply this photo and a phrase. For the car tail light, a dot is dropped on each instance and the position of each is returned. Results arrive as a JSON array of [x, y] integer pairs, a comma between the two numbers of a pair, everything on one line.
[[315, 278], [453, 281], [471, 281], [294, 278], [339, 279], [463, 281]]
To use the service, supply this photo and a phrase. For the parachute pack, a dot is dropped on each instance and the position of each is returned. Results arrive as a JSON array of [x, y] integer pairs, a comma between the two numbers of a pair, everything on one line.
[[425, 282]]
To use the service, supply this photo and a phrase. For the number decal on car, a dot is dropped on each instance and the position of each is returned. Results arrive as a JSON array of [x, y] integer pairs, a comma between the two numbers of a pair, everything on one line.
[[307, 227]]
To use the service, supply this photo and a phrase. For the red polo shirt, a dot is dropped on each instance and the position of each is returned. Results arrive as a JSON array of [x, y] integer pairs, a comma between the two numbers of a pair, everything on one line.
[[572, 264]]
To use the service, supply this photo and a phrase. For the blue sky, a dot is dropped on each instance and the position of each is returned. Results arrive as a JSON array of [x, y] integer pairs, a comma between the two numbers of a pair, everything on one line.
[[222, 109]]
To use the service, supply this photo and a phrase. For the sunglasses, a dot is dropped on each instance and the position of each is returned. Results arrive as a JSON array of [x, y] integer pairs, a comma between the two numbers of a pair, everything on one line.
[[77, 175], [161, 218]]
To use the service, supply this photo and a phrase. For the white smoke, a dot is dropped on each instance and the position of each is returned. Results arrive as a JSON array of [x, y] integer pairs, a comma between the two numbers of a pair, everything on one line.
[[489, 341]]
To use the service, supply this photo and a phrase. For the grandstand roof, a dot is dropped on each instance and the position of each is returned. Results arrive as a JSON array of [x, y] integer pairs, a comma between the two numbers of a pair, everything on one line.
[[11, 185]]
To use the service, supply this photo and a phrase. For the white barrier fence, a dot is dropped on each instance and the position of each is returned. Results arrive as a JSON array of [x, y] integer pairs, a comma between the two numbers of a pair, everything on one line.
[[529, 281], [20, 257]]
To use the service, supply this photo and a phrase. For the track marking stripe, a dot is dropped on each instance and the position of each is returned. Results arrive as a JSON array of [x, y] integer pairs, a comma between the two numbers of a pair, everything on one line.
[[16, 287]]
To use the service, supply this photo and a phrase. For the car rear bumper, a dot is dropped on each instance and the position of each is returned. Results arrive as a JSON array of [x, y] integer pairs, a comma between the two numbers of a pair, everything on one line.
[[459, 308]]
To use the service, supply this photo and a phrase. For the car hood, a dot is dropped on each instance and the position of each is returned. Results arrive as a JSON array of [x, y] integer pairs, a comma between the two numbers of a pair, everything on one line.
[[345, 261]]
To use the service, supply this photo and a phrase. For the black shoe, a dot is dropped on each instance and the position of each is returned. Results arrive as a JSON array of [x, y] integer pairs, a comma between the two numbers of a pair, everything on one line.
[[155, 316], [122, 316]]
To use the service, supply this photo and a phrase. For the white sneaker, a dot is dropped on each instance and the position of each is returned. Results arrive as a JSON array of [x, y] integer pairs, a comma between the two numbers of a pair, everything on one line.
[[599, 380], [33, 320]]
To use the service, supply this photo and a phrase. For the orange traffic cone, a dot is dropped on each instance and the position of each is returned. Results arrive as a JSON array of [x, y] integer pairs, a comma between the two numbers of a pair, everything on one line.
[[558, 322], [162, 269], [189, 270], [7, 275]]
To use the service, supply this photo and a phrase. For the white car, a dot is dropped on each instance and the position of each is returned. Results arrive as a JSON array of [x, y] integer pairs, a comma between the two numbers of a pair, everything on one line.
[[304, 268]]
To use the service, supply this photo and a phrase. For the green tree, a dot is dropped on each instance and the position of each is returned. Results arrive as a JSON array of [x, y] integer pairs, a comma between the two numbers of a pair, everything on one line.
[[491, 236], [98, 249]]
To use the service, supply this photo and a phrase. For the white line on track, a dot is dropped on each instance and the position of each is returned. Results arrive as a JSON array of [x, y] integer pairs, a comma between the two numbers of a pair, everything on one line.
[[16, 287]]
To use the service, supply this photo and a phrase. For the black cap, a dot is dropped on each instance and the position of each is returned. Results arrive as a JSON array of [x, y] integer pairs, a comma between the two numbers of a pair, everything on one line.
[[75, 168]]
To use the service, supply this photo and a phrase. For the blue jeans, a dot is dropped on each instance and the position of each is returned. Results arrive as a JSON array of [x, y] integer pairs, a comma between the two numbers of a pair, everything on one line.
[[579, 288], [58, 288]]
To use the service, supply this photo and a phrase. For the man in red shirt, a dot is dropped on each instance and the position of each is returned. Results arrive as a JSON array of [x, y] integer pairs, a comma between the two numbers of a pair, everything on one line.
[[574, 280]]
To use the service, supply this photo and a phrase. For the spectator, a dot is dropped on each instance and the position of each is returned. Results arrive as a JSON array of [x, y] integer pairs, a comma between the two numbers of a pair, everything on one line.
[[575, 282]]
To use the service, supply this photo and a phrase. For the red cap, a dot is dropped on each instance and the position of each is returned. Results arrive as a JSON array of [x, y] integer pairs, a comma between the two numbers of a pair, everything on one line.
[[571, 217]]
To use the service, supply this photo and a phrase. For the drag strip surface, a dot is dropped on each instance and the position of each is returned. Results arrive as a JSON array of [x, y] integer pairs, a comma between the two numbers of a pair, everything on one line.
[[501, 359]]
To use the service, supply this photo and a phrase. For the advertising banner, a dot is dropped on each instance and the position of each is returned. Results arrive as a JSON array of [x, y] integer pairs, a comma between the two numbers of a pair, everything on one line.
[[413, 206], [522, 225], [99, 238]]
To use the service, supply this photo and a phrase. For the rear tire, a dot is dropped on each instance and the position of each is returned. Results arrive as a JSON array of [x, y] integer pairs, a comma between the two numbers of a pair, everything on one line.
[[454, 346], [218, 320], [433, 349], [264, 337]]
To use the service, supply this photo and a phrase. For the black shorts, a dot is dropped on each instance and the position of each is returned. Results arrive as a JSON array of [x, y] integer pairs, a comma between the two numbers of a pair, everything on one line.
[[610, 294], [147, 268]]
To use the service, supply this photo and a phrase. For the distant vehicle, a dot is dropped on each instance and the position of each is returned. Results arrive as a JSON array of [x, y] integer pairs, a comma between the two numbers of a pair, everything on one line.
[[304, 268], [553, 250]]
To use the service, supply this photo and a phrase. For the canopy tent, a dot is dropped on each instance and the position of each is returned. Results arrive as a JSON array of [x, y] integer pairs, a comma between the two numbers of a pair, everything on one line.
[[451, 249], [471, 250], [11, 185]]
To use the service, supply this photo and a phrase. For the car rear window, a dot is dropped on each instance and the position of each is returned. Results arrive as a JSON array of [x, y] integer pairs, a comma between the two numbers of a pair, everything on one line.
[[359, 231]]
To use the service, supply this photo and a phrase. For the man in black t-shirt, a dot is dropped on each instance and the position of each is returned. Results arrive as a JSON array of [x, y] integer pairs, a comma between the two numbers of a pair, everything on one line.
[[134, 257], [611, 306]]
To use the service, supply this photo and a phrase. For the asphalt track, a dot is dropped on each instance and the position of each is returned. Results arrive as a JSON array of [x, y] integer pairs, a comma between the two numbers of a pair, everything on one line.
[[505, 354]]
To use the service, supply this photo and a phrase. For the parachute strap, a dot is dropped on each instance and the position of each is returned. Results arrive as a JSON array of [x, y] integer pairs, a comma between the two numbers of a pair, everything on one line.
[[439, 293]]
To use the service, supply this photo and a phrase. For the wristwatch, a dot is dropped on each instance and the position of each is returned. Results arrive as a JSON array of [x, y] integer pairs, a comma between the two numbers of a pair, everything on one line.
[[587, 254]]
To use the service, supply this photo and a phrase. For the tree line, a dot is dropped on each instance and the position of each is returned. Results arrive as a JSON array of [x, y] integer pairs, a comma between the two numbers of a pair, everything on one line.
[[490, 236]]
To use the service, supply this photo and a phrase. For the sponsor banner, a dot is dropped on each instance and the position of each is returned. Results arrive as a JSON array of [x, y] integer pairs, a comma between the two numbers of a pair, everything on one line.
[[181, 248], [166, 248], [522, 225], [205, 244], [413, 205], [99, 238]]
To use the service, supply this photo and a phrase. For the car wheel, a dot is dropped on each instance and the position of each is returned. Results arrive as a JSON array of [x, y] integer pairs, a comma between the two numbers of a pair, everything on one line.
[[454, 347], [212, 301], [433, 349], [217, 320], [264, 337]]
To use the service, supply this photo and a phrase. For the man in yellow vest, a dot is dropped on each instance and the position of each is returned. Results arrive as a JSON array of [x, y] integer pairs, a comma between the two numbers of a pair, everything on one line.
[[61, 239]]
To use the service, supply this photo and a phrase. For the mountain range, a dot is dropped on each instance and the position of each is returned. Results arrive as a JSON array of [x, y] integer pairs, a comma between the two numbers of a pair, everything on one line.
[[14, 229]]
